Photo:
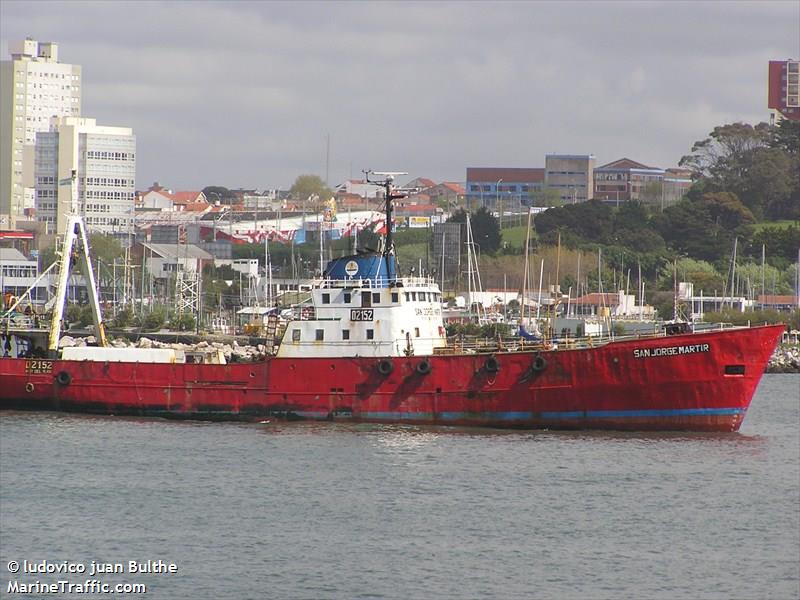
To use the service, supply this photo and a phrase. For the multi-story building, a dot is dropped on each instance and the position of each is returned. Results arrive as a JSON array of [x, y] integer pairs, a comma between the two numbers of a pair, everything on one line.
[[502, 187], [34, 88], [17, 274], [783, 98], [626, 179], [86, 169], [677, 183], [449, 192], [572, 175]]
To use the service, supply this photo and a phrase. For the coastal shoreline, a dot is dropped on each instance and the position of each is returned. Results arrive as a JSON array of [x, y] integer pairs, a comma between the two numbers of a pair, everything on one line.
[[785, 359]]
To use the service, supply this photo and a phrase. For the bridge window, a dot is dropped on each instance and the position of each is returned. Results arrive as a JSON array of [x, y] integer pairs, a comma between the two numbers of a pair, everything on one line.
[[326, 298], [345, 334], [319, 335], [395, 297], [416, 331], [296, 335], [376, 297], [370, 334], [347, 297], [366, 299]]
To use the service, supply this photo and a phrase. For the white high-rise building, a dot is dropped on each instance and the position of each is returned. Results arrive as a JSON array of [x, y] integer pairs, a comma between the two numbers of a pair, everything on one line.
[[86, 169], [34, 88]]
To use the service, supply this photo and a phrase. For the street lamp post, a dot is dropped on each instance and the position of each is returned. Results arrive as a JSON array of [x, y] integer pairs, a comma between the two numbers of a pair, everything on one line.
[[497, 193], [219, 200]]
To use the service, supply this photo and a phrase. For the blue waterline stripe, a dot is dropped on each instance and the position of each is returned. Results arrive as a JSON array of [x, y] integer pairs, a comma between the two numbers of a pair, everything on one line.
[[666, 413], [521, 416]]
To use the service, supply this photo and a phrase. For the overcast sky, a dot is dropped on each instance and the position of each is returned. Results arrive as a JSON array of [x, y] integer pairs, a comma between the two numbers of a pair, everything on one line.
[[245, 94]]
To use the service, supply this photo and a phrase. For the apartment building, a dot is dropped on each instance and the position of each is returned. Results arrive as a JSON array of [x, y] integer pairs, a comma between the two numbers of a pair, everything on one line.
[[783, 90], [86, 169], [35, 87]]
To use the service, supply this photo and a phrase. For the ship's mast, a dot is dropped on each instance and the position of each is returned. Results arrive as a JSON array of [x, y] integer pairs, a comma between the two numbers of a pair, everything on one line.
[[75, 234], [386, 184]]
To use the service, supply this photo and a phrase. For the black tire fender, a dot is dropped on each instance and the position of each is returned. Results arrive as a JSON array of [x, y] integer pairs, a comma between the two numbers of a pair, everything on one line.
[[539, 364], [63, 378], [492, 365], [424, 367], [385, 366]]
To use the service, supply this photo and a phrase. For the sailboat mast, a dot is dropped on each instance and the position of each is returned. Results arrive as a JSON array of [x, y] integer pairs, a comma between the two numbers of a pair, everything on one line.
[[733, 268], [267, 274], [525, 279], [763, 284]]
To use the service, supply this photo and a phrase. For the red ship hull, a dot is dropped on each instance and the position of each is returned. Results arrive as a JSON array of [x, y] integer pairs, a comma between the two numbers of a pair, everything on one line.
[[701, 381]]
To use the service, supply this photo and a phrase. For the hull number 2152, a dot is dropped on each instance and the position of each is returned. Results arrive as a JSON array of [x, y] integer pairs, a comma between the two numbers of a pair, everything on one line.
[[361, 314], [38, 366]]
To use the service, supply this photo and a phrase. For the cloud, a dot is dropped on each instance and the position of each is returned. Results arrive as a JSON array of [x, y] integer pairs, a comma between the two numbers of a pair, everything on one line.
[[245, 93]]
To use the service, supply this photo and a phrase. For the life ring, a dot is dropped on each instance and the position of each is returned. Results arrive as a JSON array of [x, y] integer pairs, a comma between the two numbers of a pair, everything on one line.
[[29, 387], [492, 365], [63, 378], [539, 364], [424, 367], [385, 366]]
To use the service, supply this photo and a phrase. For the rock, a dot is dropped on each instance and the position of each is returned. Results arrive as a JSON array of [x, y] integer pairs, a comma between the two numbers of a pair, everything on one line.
[[66, 342], [785, 359], [145, 343]]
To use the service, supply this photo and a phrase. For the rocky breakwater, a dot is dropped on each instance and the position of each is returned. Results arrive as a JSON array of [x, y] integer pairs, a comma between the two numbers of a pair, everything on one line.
[[233, 352], [785, 359]]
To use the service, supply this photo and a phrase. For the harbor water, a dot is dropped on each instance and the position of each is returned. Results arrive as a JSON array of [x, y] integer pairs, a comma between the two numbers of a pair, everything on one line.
[[318, 510]]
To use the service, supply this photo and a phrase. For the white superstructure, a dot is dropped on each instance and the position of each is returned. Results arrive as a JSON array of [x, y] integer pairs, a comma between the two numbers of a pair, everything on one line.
[[361, 317]]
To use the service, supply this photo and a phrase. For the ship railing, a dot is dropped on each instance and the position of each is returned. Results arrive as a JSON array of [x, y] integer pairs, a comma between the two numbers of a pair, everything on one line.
[[376, 282], [468, 344], [20, 321]]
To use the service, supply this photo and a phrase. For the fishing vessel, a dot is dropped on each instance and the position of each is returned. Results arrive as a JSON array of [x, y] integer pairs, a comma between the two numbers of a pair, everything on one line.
[[372, 347]]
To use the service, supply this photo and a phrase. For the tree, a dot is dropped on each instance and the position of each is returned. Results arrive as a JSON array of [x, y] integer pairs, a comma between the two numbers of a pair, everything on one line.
[[548, 197], [725, 155], [218, 192], [786, 136], [755, 163], [590, 221], [633, 229], [485, 228], [780, 245], [105, 248], [699, 272], [310, 187], [705, 229], [771, 182]]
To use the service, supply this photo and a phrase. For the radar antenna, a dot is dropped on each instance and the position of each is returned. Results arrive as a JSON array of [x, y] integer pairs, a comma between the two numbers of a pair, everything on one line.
[[386, 178]]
